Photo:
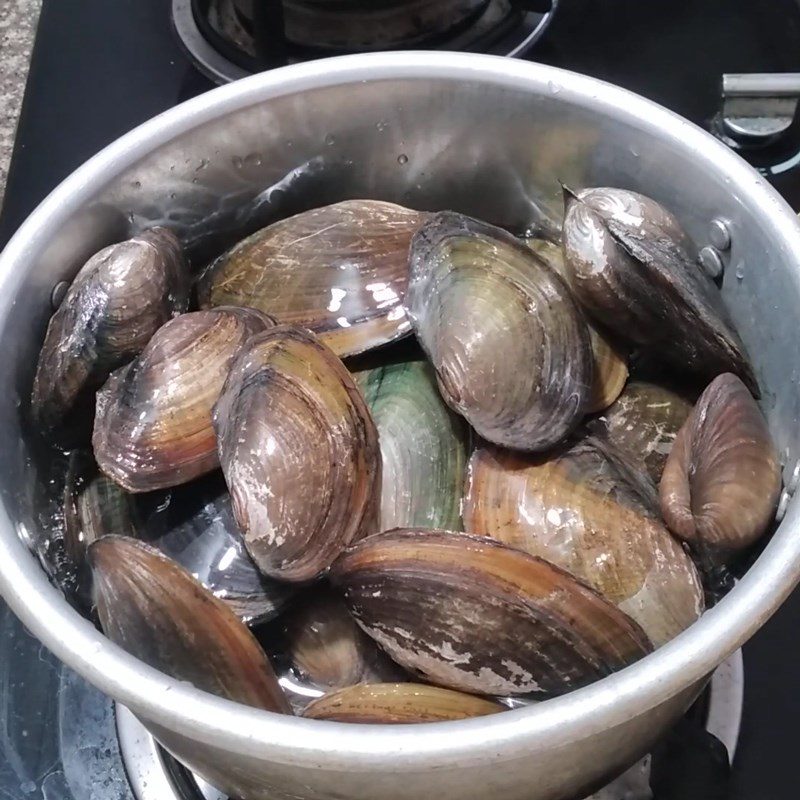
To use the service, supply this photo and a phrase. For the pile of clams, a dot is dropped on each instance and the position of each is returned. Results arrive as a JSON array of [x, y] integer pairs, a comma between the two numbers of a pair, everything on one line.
[[270, 497]]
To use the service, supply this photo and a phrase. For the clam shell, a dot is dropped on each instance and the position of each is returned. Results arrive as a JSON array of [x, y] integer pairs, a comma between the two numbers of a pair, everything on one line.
[[117, 301], [423, 447], [644, 422], [153, 423], [155, 610], [340, 270], [578, 509], [299, 452], [722, 479], [629, 265], [194, 525], [469, 613], [483, 305], [328, 649], [398, 703]]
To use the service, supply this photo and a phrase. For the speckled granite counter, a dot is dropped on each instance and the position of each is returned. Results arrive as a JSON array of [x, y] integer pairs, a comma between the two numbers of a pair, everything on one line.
[[17, 27]]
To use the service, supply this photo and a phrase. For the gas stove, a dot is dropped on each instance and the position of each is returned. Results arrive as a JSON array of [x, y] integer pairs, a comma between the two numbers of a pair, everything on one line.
[[101, 68]]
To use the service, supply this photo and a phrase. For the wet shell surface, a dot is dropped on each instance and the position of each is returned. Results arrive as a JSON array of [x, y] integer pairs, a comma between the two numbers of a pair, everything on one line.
[[153, 424], [578, 509], [644, 422], [482, 304], [423, 447], [722, 479], [398, 703], [155, 610], [327, 648], [118, 300], [469, 613], [629, 265], [340, 270], [299, 452]]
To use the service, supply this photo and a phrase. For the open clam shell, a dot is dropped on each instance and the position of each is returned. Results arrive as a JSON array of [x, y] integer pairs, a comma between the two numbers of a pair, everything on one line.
[[398, 703], [299, 452], [423, 447], [469, 613], [340, 270], [722, 479], [155, 610], [629, 265], [482, 305], [153, 424], [644, 422], [118, 300], [578, 509]]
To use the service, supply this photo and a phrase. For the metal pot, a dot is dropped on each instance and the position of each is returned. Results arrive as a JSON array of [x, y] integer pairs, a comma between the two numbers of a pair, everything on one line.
[[486, 136]]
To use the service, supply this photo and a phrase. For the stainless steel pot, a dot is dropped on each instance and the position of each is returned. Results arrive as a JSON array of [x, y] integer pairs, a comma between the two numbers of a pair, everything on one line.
[[489, 137]]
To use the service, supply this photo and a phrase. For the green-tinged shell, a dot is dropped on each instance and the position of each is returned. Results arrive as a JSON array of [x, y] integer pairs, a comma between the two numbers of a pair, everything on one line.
[[340, 270], [153, 424], [510, 347], [328, 649], [159, 613], [423, 447], [299, 452], [644, 422], [629, 265], [117, 301], [722, 479], [399, 703], [579, 509], [469, 613]]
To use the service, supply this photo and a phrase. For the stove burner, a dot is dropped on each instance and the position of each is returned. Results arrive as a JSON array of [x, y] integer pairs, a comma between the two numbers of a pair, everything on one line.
[[155, 775], [218, 35]]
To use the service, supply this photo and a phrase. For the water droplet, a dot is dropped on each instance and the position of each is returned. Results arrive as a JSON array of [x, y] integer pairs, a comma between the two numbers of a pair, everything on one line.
[[402, 159], [237, 162], [634, 152], [253, 159], [204, 162], [740, 272], [194, 180], [553, 87], [172, 195], [131, 217], [136, 184], [172, 168], [289, 143], [382, 125], [57, 296], [29, 787], [330, 139]]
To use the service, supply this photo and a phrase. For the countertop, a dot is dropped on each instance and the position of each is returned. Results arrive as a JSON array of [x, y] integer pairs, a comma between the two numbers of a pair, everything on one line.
[[17, 28]]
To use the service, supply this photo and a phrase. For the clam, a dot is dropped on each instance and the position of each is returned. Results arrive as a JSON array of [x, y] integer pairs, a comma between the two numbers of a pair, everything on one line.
[[644, 422], [340, 270], [159, 613], [469, 613], [722, 479], [194, 525], [509, 345], [299, 452], [153, 422], [423, 447], [116, 302], [578, 508], [398, 703], [629, 265], [610, 362], [327, 648]]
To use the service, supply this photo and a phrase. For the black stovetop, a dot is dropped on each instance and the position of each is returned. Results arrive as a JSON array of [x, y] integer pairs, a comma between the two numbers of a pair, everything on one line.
[[100, 67]]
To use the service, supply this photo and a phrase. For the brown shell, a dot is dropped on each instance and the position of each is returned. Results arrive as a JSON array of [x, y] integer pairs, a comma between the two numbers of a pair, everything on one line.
[[399, 703], [722, 479], [630, 266], [299, 452], [469, 613], [117, 301], [644, 422], [158, 612], [153, 424], [578, 509], [340, 270], [326, 646]]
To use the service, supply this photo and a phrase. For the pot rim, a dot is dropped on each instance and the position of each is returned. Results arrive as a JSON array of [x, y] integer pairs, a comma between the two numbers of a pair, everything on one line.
[[179, 707]]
